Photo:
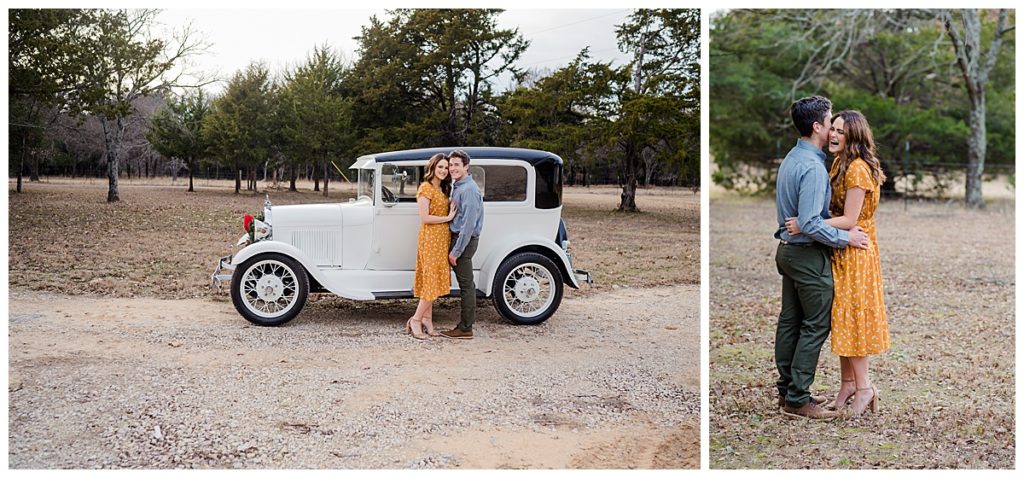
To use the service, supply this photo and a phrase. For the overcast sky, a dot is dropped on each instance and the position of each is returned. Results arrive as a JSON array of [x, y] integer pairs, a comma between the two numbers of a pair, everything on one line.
[[283, 38]]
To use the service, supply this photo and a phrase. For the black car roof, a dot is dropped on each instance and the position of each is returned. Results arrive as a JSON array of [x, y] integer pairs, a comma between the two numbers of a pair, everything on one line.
[[531, 156]]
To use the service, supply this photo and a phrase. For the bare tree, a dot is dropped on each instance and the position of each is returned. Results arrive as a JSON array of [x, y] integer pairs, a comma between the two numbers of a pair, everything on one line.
[[964, 29], [839, 42], [128, 62], [141, 156]]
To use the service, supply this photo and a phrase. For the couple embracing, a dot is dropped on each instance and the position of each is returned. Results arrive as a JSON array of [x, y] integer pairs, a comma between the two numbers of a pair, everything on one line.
[[829, 261], [451, 209]]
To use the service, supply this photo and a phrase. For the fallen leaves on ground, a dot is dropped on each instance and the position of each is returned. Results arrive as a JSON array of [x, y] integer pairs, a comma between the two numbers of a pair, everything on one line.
[[947, 382]]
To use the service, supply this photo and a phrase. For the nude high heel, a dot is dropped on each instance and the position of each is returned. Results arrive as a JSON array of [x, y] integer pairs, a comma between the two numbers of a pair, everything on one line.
[[415, 332], [834, 404], [874, 399], [872, 405], [428, 323]]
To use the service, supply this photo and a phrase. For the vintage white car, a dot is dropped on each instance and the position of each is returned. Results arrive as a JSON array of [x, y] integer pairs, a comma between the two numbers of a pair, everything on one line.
[[365, 249]]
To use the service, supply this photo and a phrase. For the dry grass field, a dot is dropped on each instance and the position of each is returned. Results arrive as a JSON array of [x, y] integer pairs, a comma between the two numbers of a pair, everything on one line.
[[947, 382], [161, 241]]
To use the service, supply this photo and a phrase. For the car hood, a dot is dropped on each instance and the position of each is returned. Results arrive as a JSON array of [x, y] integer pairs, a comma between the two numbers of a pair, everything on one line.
[[319, 215]]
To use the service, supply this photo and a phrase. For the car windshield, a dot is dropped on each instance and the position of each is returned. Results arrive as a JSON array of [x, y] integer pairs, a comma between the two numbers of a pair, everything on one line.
[[366, 183]]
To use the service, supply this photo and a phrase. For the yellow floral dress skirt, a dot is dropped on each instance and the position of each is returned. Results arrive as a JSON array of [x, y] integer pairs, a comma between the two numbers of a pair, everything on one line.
[[433, 275], [859, 323]]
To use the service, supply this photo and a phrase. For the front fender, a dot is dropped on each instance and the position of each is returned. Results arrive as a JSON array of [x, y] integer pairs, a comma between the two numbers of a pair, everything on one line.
[[490, 265], [272, 246], [291, 251]]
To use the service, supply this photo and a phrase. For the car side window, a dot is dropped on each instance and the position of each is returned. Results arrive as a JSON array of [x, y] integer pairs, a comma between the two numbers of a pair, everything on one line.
[[479, 175], [501, 183], [404, 183]]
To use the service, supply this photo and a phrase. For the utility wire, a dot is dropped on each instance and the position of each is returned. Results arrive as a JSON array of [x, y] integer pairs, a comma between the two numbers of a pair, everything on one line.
[[567, 57], [616, 12], [577, 22]]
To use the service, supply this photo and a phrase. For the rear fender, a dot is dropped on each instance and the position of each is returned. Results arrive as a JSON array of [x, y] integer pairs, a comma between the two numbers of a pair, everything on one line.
[[540, 245]]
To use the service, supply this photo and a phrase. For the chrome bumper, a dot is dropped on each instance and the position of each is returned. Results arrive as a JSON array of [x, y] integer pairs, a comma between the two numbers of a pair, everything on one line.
[[580, 276], [223, 264]]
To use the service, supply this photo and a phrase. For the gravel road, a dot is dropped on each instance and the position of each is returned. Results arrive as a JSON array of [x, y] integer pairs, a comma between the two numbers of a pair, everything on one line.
[[611, 381]]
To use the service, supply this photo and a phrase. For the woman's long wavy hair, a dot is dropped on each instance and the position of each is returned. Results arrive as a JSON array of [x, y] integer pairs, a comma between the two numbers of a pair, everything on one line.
[[446, 183], [860, 143]]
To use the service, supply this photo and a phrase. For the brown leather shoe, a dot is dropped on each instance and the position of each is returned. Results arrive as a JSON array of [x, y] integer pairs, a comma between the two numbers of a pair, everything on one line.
[[458, 333], [809, 410], [817, 399]]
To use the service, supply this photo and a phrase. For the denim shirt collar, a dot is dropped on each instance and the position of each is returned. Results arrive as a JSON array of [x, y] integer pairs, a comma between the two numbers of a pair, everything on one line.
[[462, 181], [808, 146]]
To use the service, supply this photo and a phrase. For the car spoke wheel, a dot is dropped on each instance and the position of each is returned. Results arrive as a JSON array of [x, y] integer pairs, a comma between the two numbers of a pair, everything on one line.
[[527, 288], [269, 289]]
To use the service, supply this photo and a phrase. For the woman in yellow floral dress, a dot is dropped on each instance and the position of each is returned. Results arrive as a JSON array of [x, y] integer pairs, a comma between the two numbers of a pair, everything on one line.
[[433, 275], [859, 322]]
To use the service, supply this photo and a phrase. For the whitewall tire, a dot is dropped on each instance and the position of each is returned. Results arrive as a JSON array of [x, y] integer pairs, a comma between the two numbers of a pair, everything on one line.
[[527, 288], [269, 289]]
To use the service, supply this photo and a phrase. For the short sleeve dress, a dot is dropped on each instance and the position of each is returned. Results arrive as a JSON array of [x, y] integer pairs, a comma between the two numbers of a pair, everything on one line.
[[433, 275], [859, 323]]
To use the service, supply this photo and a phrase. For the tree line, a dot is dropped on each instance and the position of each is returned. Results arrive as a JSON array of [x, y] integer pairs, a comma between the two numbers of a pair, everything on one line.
[[84, 81], [936, 85]]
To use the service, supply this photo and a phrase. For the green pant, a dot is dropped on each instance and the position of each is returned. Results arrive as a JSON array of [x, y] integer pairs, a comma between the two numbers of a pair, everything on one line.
[[805, 319], [467, 288]]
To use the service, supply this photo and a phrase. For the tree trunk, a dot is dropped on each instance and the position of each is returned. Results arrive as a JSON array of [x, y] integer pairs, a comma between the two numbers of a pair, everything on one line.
[[190, 189], [627, 201], [238, 181], [327, 178], [113, 144], [975, 66], [976, 152], [291, 184], [35, 169], [316, 178], [650, 166], [112, 165], [21, 165]]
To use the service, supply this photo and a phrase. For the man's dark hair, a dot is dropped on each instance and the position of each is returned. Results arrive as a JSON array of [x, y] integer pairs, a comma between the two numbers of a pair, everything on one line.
[[458, 153], [807, 111]]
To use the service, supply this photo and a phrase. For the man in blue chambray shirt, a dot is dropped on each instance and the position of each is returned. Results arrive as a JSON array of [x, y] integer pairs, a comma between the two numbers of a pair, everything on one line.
[[465, 228], [804, 261]]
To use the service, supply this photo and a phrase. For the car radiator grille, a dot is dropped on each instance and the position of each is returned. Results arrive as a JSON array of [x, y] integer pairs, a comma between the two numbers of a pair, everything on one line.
[[323, 247]]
